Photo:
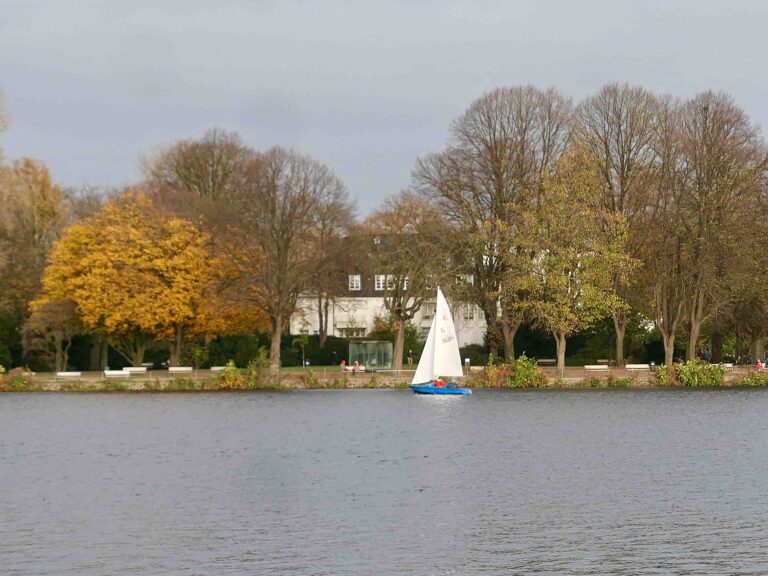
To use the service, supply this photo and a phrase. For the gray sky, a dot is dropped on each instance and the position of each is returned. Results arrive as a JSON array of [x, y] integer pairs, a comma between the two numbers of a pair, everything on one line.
[[364, 86]]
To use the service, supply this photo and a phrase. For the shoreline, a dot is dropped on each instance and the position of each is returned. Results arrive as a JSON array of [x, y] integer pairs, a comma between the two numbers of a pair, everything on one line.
[[203, 381]]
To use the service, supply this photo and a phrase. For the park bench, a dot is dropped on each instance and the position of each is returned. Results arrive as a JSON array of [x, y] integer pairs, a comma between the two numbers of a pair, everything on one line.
[[546, 362], [596, 368], [217, 368], [351, 369], [135, 370], [180, 369], [116, 374], [728, 366], [477, 368], [68, 375], [637, 367]]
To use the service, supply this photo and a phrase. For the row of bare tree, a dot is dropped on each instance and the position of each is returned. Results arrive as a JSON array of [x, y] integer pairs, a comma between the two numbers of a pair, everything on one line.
[[687, 178], [626, 204]]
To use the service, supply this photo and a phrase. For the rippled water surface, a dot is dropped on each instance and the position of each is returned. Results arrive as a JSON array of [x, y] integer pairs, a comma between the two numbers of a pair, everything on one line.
[[385, 482]]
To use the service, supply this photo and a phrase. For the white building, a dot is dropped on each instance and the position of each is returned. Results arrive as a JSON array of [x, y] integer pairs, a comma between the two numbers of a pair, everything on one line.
[[354, 314]]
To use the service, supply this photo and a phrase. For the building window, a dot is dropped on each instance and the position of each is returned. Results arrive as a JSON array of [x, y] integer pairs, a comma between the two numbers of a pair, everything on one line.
[[428, 310], [465, 279], [469, 311], [387, 282], [352, 332], [383, 282], [354, 282]]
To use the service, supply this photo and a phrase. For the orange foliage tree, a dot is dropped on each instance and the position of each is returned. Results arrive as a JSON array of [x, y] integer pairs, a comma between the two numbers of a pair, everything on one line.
[[134, 274]]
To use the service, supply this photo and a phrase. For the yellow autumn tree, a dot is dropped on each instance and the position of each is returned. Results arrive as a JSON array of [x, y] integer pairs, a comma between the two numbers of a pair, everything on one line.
[[227, 306], [134, 275]]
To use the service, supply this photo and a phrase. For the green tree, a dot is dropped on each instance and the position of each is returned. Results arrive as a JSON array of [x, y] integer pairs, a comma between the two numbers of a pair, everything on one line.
[[577, 247]]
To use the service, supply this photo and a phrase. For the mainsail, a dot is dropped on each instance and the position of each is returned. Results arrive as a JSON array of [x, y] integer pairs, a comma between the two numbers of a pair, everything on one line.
[[440, 356]]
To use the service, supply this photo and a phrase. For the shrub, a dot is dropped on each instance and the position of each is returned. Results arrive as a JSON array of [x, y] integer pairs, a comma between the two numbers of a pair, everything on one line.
[[258, 371], [182, 385], [526, 373], [476, 354], [666, 376], [755, 380], [610, 382], [496, 375], [522, 373], [693, 373], [373, 382], [338, 383], [311, 380], [230, 378], [113, 386], [199, 356], [620, 382], [17, 380]]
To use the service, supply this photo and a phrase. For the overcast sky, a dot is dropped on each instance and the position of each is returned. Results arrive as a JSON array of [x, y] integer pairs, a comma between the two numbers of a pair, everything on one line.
[[365, 87]]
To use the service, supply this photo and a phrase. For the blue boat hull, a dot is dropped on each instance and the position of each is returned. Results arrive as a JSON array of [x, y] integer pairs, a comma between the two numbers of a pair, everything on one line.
[[432, 389]]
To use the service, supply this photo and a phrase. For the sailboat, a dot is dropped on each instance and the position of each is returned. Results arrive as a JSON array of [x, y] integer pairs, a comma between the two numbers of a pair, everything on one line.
[[440, 356]]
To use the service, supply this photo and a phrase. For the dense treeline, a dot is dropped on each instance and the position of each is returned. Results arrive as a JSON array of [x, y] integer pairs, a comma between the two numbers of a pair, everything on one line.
[[632, 207]]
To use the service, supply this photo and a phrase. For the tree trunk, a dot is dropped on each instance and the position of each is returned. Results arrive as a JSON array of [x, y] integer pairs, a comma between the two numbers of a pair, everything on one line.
[[718, 338], [508, 330], [560, 341], [67, 343], [397, 359], [758, 348], [176, 345], [694, 330], [667, 318], [494, 336], [274, 348], [695, 319], [138, 352], [97, 360], [322, 318], [620, 327], [58, 360], [103, 353], [669, 347], [493, 348], [94, 358]]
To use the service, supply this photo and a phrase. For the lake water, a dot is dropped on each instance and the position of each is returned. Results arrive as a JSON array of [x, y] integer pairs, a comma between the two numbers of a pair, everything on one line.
[[385, 482]]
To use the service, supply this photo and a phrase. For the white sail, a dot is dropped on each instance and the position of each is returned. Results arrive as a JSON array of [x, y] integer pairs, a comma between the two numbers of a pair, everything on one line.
[[424, 371], [440, 356]]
